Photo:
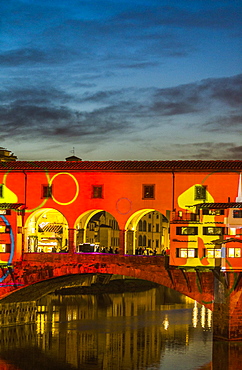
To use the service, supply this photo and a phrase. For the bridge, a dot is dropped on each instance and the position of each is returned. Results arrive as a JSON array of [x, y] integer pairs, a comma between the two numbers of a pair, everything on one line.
[[217, 291], [192, 208]]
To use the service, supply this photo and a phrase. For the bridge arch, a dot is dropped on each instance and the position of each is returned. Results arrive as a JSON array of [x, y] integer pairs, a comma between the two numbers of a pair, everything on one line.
[[46, 230], [146, 229]]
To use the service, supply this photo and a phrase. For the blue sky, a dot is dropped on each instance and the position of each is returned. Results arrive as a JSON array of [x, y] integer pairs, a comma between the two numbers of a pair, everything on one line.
[[121, 79]]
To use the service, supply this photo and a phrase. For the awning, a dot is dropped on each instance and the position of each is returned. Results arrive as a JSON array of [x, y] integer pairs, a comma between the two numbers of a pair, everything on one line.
[[219, 205], [17, 206], [53, 228]]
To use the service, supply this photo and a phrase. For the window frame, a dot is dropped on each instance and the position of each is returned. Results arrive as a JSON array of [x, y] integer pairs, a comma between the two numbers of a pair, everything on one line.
[[99, 189], [203, 195], [148, 191], [47, 191]]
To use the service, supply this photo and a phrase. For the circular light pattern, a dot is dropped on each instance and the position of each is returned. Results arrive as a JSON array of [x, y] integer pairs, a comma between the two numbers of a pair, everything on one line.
[[123, 206], [77, 188]]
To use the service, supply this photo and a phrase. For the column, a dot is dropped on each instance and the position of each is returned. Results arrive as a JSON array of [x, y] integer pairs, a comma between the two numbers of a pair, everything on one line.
[[71, 240], [121, 242], [227, 314]]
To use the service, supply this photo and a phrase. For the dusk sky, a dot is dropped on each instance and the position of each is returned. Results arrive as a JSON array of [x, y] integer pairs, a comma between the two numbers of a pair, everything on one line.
[[121, 79]]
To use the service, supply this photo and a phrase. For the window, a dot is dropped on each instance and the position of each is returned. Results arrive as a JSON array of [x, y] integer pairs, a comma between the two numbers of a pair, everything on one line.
[[1, 190], [5, 248], [140, 225], [144, 225], [213, 230], [157, 228], [234, 252], [213, 253], [46, 191], [182, 230], [237, 213], [157, 243], [214, 212], [140, 241], [97, 191], [148, 191], [200, 192], [187, 252], [5, 229], [149, 228], [144, 241]]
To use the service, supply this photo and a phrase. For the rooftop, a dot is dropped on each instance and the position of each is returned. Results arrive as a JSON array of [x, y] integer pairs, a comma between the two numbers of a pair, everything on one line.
[[130, 166]]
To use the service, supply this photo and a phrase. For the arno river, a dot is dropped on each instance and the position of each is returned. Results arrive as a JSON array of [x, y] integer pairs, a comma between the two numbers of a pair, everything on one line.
[[155, 329]]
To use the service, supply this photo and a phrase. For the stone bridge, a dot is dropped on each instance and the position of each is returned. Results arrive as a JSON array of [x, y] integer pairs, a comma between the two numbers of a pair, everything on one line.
[[218, 291]]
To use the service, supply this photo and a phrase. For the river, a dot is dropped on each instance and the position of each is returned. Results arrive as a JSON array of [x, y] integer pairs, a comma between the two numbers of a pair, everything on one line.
[[151, 330]]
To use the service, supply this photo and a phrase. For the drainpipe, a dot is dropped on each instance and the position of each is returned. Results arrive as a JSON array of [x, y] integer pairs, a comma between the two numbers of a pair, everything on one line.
[[173, 190], [23, 211]]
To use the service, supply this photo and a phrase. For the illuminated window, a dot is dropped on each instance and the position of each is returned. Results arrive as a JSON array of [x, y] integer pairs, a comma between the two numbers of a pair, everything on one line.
[[191, 253], [1, 190], [237, 213], [148, 191], [210, 253], [187, 252], [186, 230], [217, 253], [234, 252], [200, 192], [5, 248], [213, 231], [4, 229], [214, 212], [46, 191], [183, 253], [97, 191]]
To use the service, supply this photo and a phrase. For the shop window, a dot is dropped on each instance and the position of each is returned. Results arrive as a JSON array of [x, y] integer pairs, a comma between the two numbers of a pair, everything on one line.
[[47, 191], [97, 191], [1, 190], [200, 192], [182, 230], [237, 213], [213, 230], [148, 191], [234, 252]]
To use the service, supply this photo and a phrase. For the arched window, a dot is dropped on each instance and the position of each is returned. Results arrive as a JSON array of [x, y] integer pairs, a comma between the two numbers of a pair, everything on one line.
[[144, 241], [140, 225], [144, 225], [140, 241]]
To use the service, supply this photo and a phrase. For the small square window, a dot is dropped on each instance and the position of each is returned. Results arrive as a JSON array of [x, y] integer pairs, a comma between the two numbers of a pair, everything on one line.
[[47, 191], [237, 213], [97, 191], [200, 192], [148, 191]]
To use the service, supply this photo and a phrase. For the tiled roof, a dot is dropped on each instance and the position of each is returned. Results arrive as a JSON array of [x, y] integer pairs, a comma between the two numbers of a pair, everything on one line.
[[150, 166], [219, 205]]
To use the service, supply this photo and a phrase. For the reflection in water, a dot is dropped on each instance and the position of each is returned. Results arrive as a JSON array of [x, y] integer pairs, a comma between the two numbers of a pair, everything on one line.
[[156, 329]]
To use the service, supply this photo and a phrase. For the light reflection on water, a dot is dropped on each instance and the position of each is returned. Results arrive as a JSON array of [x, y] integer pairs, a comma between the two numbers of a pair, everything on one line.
[[156, 329]]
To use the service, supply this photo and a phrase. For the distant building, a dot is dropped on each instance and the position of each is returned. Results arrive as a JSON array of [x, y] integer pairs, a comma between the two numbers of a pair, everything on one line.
[[6, 155]]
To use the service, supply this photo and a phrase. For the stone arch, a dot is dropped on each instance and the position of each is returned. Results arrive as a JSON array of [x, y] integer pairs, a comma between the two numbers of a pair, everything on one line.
[[154, 234], [99, 228], [46, 230]]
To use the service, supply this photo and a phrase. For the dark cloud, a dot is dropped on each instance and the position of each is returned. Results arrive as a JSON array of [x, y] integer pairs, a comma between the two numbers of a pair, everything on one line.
[[210, 150]]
